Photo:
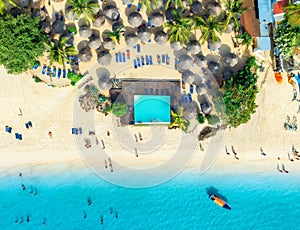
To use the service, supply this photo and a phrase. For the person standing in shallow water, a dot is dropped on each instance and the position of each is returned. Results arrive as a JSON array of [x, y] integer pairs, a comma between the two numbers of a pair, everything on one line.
[[101, 219]]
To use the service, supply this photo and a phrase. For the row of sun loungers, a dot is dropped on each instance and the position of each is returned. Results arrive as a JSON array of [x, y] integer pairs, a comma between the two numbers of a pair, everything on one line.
[[141, 61], [165, 59], [77, 131], [186, 99], [55, 72], [121, 57], [18, 136]]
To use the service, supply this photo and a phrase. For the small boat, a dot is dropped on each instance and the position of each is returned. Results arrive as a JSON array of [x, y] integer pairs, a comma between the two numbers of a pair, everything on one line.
[[219, 201]]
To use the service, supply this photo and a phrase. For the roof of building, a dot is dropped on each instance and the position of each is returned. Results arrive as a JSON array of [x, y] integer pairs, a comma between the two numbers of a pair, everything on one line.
[[249, 19], [265, 11], [279, 6]]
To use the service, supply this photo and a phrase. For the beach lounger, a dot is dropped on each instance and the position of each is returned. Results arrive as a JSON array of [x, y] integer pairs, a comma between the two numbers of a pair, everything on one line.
[[80, 130], [190, 98], [8, 129], [191, 89], [58, 73], [123, 57], [162, 92], [167, 59], [48, 71], [143, 60], [149, 22], [75, 131], [138, 48], [183, 84], [54, 72], [64, 73], [139, 6], [61, 17], [186, 99], [146, 91], [20, 137], [138, 62], [147, 60], [163, 59], [17, 136], [156, 92], [168, 92], [128, 54], [135, 63], [56, 16], [182, 99], [44, 69], [116, 57], [151, 91], [27, 125], [120, 57], [175, 88], [158, 59], [129, 5], [30, 124], [150, 60]]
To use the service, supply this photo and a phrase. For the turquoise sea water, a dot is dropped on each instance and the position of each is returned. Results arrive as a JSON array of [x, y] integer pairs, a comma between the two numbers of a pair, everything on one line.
[[258, 201], [148, 109]]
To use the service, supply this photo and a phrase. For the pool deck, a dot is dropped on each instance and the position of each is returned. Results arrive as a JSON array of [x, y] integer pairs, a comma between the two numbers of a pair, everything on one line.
[[131, 87]]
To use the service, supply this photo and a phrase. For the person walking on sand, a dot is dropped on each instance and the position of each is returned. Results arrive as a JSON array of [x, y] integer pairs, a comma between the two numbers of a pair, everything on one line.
[[234, 152], [226, 150], [140, 136], [110, 164], [136, 153], [278, 169], [262, 152], [108, 133], [105, 164], [283, 168], [136, 138], [201, 147], [289, 157], [103, 145]]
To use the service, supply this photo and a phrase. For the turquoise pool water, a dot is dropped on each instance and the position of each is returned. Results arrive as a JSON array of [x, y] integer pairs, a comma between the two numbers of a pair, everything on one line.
[[151, 109]]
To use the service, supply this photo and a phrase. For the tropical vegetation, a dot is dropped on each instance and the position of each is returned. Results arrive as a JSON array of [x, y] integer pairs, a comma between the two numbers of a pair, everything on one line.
[[210, 27], [239, 94], [212, 119], [180, 28], [177, 3], [115, 35], [21, 42], [148, 4], [246, 38], [4, 4], [287, 38], [293, 14], [178, 120], [58, 51], [119, 109], [200, 118], [74, 77], [84, 8], [234, 10]]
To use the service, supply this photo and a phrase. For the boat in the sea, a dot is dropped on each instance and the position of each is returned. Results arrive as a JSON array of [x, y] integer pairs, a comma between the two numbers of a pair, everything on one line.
[[219, 201]]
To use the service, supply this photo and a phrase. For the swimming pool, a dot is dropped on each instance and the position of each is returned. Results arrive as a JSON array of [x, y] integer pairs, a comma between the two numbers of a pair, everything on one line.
[[151, 109]]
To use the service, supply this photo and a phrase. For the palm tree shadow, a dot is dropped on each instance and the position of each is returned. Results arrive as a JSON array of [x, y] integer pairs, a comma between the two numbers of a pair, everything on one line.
[[212, 190]]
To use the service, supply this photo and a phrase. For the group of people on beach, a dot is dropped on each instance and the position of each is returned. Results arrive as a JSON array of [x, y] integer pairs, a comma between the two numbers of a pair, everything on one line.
[[233, 151], [108, 163]]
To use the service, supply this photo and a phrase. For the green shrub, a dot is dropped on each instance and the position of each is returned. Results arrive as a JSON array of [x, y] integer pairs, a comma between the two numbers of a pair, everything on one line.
[[37, 80], [119, 109], [74, 77], [200, 118], [212, 119], [72, 29]]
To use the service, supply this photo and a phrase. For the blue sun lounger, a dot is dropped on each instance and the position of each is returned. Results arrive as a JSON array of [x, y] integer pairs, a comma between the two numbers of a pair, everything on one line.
[[54, 72], [151, 91], [138, 48], [190, 98], [27, 125], [64, 73], [134, 63], [168, 91], [48, 71], [123, 56], [151, 61], [191, 89], [129, 5], [75, 131], [58, 73], [143, 60], [147, 60], [44, 69], [163, 58], [149, 22], [116, 57], [138, 62], [146, 91], [162, 92], [139, 6], [156, 92], [8, 129]]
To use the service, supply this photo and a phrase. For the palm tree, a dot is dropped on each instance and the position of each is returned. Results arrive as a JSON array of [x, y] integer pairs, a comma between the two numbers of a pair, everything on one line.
[[58, 52], [180, 28], [84, 8], [210, 28], [233, 12], [116, 34], [4, 5], [246, 38], [292, 14], [178, 120], [177, 3], [149, 3]]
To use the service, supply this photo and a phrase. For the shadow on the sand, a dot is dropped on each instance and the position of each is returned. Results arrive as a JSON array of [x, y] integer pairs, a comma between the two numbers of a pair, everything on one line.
[[214, 191]]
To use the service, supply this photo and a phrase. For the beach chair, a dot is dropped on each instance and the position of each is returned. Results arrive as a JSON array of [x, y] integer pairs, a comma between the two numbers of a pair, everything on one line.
[[162, 92], [56, 16], [146, 92], [138, 48], [138, 62], [116, 57], [59, 73], [48, 71], [158, 59], [163, 59], [54, 72], [168, 92], [120, 57], [44, 69], [64, 73], [149, 22], [156, 92], [128, 54], [186, 99], [147, 60], [134, 63], [182, 99], [7, 129], [139, 6], [150, 60], [151, 91], [129, 5], [167, 59], [190, 98], [143, 60], [149, 41], [175, 88], [30, 124], [20, 137], [123, 57], [27, 125], [61, 17], [80, 130], [191, 89], [17, 136]]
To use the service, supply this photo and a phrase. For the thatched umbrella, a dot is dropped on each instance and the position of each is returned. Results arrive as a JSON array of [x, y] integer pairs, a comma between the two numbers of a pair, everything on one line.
[[131, 39], [194, 47], [196, 8], [197, 79], [117, 25], [111, 12], [185, 62], [190, 111], [135, 19], [214, 46], [58, 27], [160, 5], [188, 77], [231, 60], [214, 67], [105, 83], [201, 60], [205, 108], [85, 31], [157, 19], [201, 89], [109, 44], [161, 37], [176, 46], [214, 8], [85, 55], [69, 14], [99, 21], [104, 58], [69, 37], [169, 14], [226, 75], [94, 42], [144, 34], [46, 26]]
